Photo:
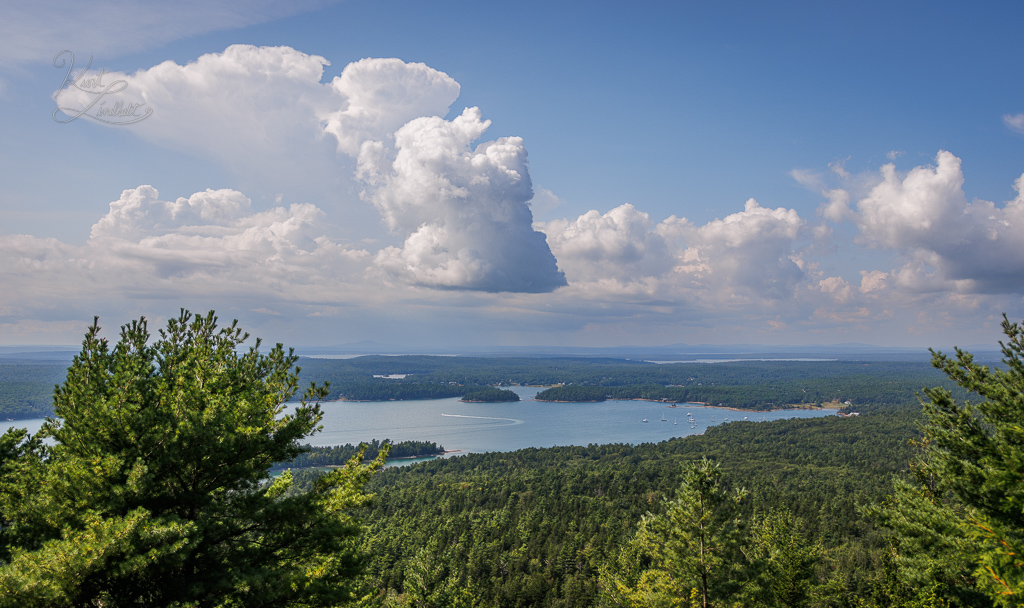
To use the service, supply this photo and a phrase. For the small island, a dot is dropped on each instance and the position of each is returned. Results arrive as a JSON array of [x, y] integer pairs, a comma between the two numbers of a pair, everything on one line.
[[490, 395]]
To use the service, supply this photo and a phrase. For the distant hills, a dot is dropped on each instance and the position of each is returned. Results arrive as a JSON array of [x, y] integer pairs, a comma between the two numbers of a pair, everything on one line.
[[39, 353], [671, 352]]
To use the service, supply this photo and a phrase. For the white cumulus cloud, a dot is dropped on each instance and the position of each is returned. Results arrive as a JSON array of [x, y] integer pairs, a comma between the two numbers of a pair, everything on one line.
[[264, 114], [462, 209], [382, 95], [620, 244], [949, 243], [872, 280], [139, 212], [236, 106], [210, 244], [747, 255], [247, 102], [752, 249]]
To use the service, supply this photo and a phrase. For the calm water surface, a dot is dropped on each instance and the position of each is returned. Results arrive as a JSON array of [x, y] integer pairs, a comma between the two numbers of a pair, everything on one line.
[[503, 427]]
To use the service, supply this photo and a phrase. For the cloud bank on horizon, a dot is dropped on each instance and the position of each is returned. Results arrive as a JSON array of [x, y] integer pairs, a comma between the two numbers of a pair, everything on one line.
[[460, 231]]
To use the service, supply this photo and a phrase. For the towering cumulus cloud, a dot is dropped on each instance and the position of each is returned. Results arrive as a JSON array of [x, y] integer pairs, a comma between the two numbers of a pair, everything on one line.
[[381, 95], [463, 210]]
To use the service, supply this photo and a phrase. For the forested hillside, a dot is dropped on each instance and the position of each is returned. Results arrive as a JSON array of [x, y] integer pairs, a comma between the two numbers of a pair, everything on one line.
[[536, 527], [26, 387]]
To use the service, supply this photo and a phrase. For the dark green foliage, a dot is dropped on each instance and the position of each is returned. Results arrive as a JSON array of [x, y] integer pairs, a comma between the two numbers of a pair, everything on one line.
[[535, 527], [932, 548], [782, 560], [764, 385], [155, 487], [690, 553], [960, 529], [15, 446], [700, 552], [490, 395]]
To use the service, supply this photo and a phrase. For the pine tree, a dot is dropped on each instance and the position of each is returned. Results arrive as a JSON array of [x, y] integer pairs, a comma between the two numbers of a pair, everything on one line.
[[151, 485], [962, 524], [783, 559], [689, 555]]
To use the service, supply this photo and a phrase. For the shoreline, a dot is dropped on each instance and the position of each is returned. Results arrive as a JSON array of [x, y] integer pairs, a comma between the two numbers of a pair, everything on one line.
[[338, 466], [482, 401], [444, 453], [680, 405], [438, 398]]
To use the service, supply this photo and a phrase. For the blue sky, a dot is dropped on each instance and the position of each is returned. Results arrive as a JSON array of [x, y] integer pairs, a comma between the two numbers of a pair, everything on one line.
[[467, 174]]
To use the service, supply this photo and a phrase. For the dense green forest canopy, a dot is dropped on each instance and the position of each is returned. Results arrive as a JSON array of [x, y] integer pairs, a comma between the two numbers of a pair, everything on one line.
[[535, 527], [787, 513]]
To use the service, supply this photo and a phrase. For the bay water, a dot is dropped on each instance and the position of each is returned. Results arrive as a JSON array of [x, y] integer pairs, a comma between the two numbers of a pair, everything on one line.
[[504, 427]]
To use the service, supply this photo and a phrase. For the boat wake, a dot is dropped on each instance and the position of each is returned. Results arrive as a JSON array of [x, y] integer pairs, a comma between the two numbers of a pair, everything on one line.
[[514, 421]]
